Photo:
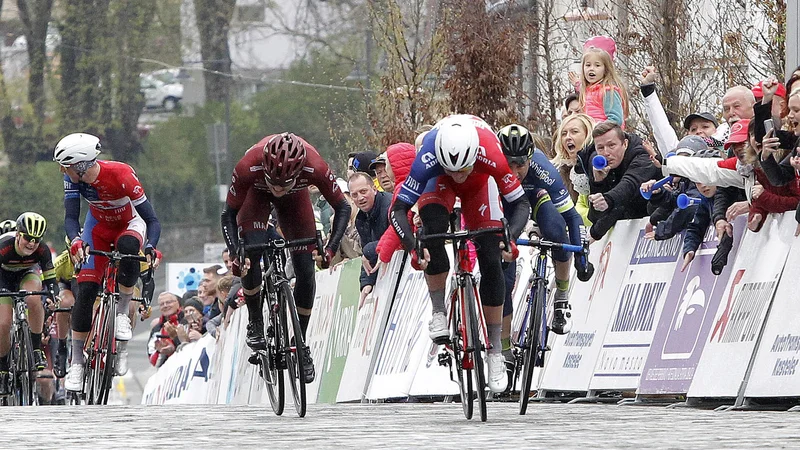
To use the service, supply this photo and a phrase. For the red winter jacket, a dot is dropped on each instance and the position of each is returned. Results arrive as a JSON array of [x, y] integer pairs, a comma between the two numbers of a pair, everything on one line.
[[776, 199], [400, 157]]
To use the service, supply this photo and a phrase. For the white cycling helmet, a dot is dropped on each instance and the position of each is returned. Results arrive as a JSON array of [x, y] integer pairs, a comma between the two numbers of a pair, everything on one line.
[[75, 148], [457, 142]]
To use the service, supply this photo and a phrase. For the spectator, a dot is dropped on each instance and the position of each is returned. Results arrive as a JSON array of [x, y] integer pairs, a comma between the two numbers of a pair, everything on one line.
[[696, 230], [399, 157], [189, 294], [615, 189], [322, 207], [224, 288], [160, 345], [382, 172], [702, 124], [603, 94], [737, 104], [350, 246], [226, 259], [666, 218], [191, 327], [778, 168], [572, 105], [778, 105], [574, 133], [765, 197], [359, 162], [371, 221], [211, 277], [421, 132]]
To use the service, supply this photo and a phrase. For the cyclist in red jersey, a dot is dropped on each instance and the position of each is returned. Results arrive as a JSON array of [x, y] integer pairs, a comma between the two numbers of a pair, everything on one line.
[[461, 156], [120, 215], [277, 171]]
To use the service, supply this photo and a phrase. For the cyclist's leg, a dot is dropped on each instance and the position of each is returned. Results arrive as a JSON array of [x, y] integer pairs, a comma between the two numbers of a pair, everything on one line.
[[435, 205], [7, 282], [32, 281], [128, 242], [296, 219], [252, 220], [554, 228], [482, 209]]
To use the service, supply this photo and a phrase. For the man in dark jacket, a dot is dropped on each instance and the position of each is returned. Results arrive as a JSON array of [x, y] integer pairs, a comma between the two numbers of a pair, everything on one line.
[[371, 222], [614, 189]]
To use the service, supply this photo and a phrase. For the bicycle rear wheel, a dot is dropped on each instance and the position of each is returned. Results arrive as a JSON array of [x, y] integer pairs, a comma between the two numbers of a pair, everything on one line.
[[459, 344], [109, 356], [25, 374], [475, 345], [271, 366], [294, 356], [533, 342]]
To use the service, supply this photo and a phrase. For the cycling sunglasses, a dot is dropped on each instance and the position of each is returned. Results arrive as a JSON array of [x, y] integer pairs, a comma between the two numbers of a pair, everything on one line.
[[31, 239]]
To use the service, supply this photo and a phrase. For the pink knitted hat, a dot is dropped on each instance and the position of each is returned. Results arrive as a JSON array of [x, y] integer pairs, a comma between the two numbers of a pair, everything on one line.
[[604, 43]]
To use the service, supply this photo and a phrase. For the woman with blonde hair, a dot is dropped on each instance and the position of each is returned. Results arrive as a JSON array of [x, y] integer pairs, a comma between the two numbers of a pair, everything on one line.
[[574, 133]]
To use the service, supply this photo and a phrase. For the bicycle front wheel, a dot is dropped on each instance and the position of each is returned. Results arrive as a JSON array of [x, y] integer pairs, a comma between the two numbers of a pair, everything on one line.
[[109, 352], [272, 361], [533, 344], [294, 356], [25, 371], [463, 363], [475, 345]]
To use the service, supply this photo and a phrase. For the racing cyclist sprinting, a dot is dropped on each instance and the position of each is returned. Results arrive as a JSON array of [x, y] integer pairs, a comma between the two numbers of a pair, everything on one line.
[[553, 211], [461, 156], [22, 256], [119, 214]]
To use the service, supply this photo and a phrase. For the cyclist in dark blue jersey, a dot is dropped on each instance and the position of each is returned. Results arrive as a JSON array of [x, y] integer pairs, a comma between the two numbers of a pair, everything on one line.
[[552, 210]]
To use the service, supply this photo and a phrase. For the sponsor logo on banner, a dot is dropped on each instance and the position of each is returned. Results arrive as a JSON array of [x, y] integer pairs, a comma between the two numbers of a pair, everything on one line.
[[183, 378], [783, 344], [637, 308], [685, 323], [602, 268], [742, 317], [576, 341]]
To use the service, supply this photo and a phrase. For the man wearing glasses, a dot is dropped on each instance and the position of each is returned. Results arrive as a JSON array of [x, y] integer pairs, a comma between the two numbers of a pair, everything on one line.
[[461, 156], [25, 264], [277, 171]]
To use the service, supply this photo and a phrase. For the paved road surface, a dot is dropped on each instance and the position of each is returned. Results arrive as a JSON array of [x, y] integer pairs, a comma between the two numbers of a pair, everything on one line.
[[396, 425]]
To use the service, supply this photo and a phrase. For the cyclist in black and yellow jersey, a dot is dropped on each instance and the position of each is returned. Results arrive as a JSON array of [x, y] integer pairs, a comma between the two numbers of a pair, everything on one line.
[[25, 263]]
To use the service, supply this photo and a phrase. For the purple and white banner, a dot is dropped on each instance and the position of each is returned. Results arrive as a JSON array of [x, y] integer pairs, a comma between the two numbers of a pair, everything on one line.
[[685, 322]]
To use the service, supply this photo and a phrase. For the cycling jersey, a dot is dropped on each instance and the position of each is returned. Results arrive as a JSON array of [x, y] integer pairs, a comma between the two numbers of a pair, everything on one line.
[[14, 267], [115, 198], [543, 175], [250, 201]]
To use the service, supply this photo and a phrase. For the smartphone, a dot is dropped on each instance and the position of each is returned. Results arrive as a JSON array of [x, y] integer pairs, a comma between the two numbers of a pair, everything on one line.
[[768, 126]]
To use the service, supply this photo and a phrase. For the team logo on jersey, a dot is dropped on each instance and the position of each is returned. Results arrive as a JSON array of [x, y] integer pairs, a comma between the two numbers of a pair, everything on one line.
[[483, 158], [412, 184], [232, 191], [137, 190], [482, 209], [428, 159], [508, 178], [256, 168]]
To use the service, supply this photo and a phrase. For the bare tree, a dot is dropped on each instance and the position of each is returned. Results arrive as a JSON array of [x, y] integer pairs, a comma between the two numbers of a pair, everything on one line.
[[35, 16], [213, 24]]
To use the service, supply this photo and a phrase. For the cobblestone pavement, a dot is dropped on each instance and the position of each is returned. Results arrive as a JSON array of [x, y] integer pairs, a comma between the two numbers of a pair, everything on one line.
[[395, 426]]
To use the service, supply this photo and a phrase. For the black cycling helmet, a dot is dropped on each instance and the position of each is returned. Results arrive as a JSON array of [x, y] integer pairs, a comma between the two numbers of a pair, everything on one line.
[[516, 142]]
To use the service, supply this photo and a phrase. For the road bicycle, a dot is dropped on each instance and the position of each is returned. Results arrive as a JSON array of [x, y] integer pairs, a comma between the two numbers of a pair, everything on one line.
[[531, 346], [285, 345], [463, 350]]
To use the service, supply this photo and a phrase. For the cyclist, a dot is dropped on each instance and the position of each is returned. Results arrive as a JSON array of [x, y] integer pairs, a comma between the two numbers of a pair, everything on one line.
[[120, 215], [553, 211], [278, 171], [459, 157], [8, 226], [20, 254]]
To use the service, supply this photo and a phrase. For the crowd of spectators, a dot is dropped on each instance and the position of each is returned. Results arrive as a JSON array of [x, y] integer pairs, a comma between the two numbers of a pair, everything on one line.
[[742, 160]]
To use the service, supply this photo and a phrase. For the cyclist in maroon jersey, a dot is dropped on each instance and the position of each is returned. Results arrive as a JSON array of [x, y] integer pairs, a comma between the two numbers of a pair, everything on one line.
[[277, 171]]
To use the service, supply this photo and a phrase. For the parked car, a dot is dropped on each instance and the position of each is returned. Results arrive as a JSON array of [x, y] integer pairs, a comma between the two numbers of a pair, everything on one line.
[[158, 94]]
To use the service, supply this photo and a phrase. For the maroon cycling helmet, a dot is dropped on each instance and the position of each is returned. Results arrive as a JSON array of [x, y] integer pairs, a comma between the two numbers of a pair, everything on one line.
[[284, 158]]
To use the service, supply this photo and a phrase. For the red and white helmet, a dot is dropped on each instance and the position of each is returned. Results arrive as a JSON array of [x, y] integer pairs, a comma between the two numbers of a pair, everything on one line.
[[457, 142]]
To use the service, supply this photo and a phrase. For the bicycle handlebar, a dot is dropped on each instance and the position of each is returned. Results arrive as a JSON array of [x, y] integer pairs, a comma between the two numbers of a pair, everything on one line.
[[462, 235], [279, 244], [539, 243], [19, 294], [117, 256]]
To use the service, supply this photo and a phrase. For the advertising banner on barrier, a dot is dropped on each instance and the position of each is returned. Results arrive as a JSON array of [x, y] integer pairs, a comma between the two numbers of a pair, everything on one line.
[[638, 307], [405, 338], [775, 371], [184, 377], [692, 300], [739, 318], [182, 277], [321, 323], [574, 355], [370, 321], [342, 326]]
